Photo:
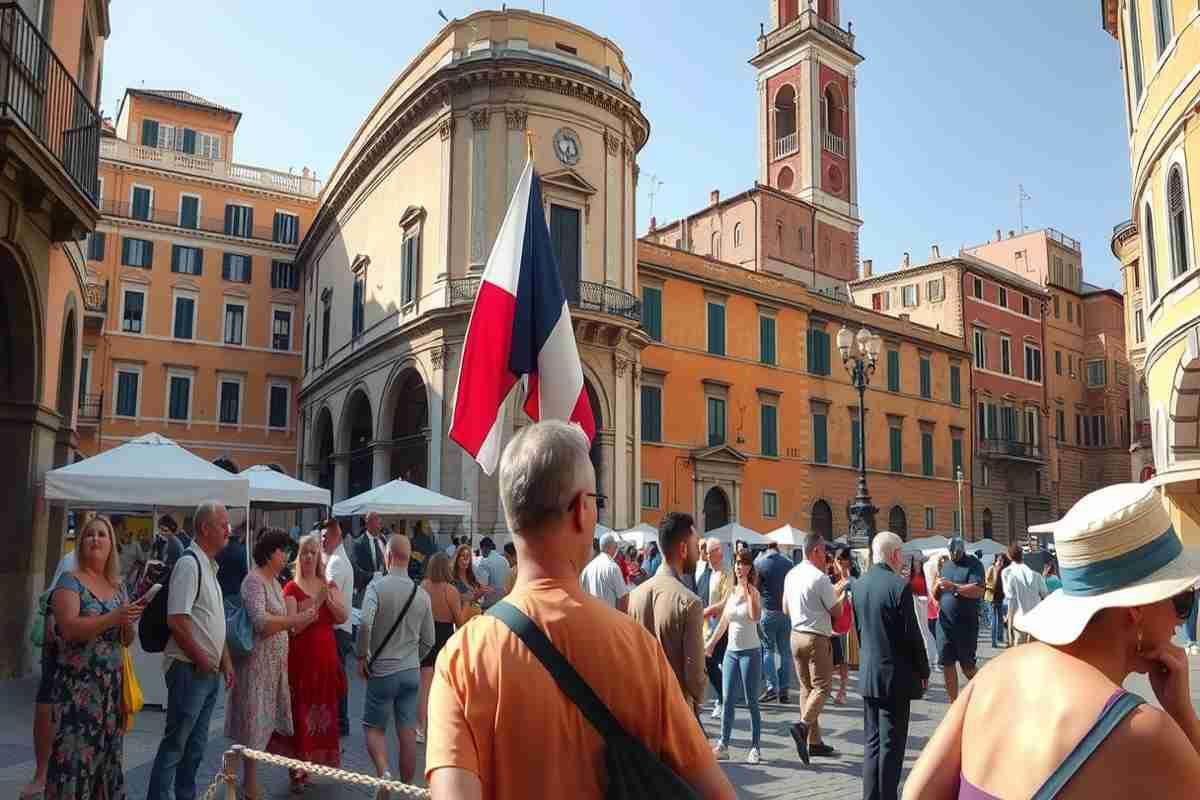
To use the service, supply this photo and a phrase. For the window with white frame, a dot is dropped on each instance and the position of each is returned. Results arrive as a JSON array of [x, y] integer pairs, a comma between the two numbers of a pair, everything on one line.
[[909, 295], [277, 411], [770, 504], [1148, 241], [286, 228], [1033, 362], [1006, 355], [651, 494], [189, 211], [929, 518], [133, 310], [1139, 327], [235, 323], [980, 349], [141, 202], [284, 275], [737, 234], [230, 399], [935, 290], [127, 388], [281, 329], [179, 396], [410, 268], [1177, 221], [183, 315], [137, 252], [1162, 24], [1002, 296], [239, 220], [236, 267], [187, 260], [1097, 372], [978, 287]]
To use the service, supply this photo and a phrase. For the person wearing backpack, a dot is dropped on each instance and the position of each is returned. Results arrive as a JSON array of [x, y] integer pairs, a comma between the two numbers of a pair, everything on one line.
[[610, 720], [195, 657]]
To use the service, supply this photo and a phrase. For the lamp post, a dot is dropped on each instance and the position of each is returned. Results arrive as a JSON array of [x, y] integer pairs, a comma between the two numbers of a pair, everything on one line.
[[958, 479], [859, 354]]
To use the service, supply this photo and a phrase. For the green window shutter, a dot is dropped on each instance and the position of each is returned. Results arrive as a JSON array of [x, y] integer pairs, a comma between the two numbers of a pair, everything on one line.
[[652, 312], [810, 347], [820, 439], [651, 414], [770, 431], [716, 329], [823, 345], [766, 340], [149, 133], [174, 258], [956, 455], [955, 386], [125, 252], [896, 442], [991, 422], [855, 443], [927, 454], [926, 379], [189, 141], [893, 369]]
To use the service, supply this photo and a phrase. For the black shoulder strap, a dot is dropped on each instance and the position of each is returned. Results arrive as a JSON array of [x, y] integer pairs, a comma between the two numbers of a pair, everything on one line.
[[572, 685], [1108, 721], [391, 630], [199, 574]]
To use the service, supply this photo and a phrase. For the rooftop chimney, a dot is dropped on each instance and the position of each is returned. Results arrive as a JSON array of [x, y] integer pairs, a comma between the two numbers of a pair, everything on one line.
[[936, 252], [866, 268], [905, 262], [999, 235], [653, 223], [714, 197]]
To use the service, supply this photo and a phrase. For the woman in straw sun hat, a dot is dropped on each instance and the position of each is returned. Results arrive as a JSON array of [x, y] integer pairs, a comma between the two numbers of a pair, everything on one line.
[[1028, 723]]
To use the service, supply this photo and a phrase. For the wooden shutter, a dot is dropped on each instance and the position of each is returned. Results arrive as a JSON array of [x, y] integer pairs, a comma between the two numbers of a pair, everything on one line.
[[189, 141], [893, 362], [149, 133], [956, 454], [926, 379], [955, 386], [820, 438], [927, 454], [895, 443]]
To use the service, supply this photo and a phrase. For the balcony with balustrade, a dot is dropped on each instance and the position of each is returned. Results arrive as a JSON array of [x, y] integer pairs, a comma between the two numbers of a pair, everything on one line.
[[834, 143], [236, 228], [1012, 450], [786, 145], [95, 305], [48, 126], [91, 408], [586, 296], [303, 185], [808, 21]]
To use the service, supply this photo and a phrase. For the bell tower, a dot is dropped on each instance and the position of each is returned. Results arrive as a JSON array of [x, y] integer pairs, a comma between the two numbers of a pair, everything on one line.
[[806, 66]]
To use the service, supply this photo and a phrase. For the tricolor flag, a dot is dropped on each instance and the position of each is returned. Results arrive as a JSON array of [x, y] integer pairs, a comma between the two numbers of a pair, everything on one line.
[[520, 328]]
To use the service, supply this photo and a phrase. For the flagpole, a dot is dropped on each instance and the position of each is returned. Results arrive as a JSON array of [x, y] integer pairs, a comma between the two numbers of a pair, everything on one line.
[[529, 143]]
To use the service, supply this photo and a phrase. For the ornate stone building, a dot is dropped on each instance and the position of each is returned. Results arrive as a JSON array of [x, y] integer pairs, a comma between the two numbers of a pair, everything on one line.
[[394, 257]]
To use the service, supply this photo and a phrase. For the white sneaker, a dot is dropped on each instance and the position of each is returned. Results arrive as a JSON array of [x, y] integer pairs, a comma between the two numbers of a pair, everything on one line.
[[420, 736], [720, 750], [716, 712], [753, 757], [1193, 649]]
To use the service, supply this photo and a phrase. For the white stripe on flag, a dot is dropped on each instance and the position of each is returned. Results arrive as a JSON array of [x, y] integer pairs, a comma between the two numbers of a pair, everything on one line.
[[560, 376], [504, 263]]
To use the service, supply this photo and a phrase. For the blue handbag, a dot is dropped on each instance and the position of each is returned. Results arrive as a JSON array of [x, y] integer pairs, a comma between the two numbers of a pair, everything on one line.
[[239, 633]]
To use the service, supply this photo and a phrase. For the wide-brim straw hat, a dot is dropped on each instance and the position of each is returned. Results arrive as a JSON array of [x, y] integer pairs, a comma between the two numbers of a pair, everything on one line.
[[1116, 548]]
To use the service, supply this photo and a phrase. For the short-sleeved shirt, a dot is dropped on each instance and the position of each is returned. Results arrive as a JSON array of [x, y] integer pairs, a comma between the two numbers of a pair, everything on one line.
[[772, 568], [1024, 588], [961, 610], [602, 579], [810, 599], [494, 571], [489, 692], [206, 607]]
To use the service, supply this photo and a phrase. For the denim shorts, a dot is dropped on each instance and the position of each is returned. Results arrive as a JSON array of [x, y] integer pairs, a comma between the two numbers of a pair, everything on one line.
[[393, 694]]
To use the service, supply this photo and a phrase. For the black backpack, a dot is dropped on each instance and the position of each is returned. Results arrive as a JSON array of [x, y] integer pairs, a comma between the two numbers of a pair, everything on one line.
[[153, 633], [634, 773]]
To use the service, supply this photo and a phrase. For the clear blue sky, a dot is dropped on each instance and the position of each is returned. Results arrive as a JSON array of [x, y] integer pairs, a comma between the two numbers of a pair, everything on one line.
[[958, 102]]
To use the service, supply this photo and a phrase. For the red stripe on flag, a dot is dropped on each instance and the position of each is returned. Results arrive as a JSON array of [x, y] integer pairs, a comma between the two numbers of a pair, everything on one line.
[[484, 379]]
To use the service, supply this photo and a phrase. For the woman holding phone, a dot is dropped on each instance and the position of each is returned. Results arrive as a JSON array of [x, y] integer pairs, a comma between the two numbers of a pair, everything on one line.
[[1030, 722], [93, 620], [742, 667]]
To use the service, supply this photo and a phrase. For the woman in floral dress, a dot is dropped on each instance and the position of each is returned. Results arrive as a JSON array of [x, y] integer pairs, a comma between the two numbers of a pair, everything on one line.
[[93, 621], [260, 701], [316, 677]]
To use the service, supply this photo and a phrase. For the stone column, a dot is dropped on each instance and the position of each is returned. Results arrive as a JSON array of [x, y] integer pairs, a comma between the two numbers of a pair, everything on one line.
[[341, 477], [517, 119], [439, 356], [852, 143], [614, 183], [446, 135], [381, 466], [636, 512], [697, 501], [737, 501], [622, 505], [479, 187]]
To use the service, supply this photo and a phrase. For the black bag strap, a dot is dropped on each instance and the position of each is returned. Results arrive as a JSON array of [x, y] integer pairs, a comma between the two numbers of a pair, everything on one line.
[[396, 624], [199, 574], [569, 681]]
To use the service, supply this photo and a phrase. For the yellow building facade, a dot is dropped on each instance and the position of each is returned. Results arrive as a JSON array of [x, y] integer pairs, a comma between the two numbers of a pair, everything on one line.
[[1160, 51]]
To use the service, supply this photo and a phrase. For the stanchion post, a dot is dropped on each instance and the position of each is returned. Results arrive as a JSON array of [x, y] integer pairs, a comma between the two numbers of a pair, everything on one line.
[[231, 764]]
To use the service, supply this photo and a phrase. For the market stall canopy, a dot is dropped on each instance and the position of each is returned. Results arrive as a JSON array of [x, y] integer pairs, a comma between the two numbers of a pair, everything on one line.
[[148, 471], [278, 491], [640, 535], [601, 530], [787, 536], [990, 548], [733, 532], [926, 544], [403, 499]]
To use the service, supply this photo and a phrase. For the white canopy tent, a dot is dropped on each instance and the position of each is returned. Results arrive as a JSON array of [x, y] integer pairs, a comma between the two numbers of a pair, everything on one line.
[[640, 535], [734, 532], [925, 545], [787, 536], [277, 491], [146, 472], [400, 498]]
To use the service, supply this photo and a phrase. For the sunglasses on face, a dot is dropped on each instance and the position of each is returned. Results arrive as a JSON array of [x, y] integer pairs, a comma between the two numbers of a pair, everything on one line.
[[1183, 603]]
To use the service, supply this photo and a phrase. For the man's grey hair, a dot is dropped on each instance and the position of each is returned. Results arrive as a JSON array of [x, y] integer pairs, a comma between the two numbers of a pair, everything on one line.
[[715, 544], [610, 541], [544, 466], [206, 513], [884, 545]]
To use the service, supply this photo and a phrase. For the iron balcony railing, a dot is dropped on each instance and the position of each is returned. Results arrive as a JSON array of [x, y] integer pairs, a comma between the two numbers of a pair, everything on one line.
[[95, 298], [586, 296], [1122, 227], [1066, 241], [91, 406], [170, 216], [38, 91], [1009, 448]]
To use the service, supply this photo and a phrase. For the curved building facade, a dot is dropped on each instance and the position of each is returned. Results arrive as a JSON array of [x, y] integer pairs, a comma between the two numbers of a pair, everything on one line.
[[1160, 47], [394, 257]]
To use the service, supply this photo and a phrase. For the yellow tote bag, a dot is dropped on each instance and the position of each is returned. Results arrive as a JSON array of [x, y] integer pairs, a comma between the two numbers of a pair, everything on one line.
[[131, 691]]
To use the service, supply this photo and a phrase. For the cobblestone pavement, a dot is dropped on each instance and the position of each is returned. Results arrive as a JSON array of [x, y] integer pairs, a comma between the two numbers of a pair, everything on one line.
[[782, 774]]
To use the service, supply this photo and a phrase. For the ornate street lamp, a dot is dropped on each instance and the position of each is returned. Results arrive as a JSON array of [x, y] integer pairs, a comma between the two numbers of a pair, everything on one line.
[[859, 354]]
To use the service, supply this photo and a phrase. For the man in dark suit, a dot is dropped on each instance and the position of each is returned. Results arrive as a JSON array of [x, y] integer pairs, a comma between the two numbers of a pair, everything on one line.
[[368, 556], [893, 667]]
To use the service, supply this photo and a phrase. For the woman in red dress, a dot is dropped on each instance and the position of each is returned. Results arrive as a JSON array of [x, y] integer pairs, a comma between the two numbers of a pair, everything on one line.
[[313, 671]]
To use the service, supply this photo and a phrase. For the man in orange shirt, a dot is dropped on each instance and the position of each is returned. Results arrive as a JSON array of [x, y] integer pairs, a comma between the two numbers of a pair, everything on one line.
[[499, 726]]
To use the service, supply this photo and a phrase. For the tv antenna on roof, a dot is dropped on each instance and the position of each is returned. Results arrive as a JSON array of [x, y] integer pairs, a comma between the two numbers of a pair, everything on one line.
[[1021, 198], [655, 186]]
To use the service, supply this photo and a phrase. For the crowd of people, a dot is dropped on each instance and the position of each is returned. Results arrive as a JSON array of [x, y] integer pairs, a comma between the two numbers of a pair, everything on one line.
[[683, 635]]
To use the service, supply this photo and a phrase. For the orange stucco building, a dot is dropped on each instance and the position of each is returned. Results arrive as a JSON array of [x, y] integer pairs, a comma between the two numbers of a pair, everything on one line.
[[194, 310], [747, 415]]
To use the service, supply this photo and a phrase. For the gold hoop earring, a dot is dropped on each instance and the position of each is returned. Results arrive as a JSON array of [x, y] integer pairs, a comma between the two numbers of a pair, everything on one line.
[[1139, 639]]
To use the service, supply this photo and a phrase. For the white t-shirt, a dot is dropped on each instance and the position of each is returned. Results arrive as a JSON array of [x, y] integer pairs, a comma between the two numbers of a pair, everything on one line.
[[206, 607], [602, 578], [743, 631], [808, 596], [1023, 588], [339, 570]]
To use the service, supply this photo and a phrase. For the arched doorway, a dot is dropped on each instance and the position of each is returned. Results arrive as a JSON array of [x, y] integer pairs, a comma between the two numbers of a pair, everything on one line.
[[66, 371], [716, 509], [987, 523], [594, 453], [357, 439], [410, 429], [324, 449], [822, 520], [898, 522], [227, 465]]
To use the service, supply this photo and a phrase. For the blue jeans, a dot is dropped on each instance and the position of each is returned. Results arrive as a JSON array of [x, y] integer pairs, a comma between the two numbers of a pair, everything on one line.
[[190, 701], [742, 671], [999, 628], [345, 646], [776, 631]]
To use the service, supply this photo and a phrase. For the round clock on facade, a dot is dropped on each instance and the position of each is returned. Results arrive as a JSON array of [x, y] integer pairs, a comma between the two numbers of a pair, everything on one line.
[[566, 146]]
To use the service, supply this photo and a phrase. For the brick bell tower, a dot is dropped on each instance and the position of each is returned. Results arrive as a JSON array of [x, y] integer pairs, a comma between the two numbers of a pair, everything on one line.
[[806, 77]]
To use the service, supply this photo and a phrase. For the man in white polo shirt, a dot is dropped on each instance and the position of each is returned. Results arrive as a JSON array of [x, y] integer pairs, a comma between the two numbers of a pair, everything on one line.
[[195, 657], [339, 570], [602, 576], [1024, 588], [810, 600]]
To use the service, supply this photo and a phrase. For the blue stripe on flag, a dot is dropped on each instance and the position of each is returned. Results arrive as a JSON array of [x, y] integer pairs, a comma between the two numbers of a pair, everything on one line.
[[540, 295]]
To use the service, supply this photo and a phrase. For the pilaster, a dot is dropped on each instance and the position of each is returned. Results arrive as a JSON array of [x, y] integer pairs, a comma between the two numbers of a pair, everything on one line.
[[479, 223]]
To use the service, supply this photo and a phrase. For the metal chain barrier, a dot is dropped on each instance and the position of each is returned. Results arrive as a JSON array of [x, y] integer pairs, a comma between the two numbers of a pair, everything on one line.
[[230, 768]]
